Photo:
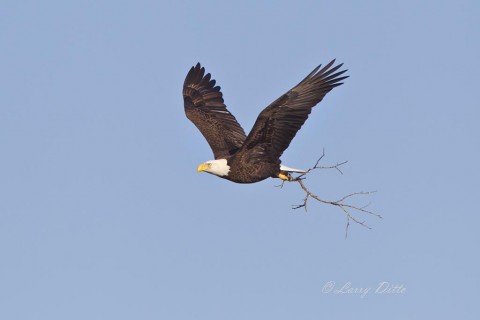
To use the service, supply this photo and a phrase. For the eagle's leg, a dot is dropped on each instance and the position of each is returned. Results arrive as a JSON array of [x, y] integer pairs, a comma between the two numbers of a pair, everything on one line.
[[285, 176]]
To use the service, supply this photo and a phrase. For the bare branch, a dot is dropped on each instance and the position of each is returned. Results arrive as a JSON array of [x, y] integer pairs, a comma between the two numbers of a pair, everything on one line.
[[280, 185], [340, 203], [316, 166]]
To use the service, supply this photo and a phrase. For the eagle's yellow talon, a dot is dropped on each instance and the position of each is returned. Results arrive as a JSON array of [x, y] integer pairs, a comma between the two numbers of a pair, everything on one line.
[[285, 177]]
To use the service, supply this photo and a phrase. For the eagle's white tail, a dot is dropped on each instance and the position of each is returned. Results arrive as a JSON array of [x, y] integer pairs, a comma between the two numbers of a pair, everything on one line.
[[287, 169]]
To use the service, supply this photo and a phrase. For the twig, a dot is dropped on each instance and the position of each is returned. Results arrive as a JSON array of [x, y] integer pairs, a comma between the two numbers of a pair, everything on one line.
[[340, 203], [316, 166]]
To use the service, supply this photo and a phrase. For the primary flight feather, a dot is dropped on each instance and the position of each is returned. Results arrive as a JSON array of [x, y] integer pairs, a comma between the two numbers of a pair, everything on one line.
[[248, 159]]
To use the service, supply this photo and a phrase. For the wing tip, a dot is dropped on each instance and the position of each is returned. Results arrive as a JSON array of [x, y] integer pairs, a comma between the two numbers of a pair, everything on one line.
[[195, 75]]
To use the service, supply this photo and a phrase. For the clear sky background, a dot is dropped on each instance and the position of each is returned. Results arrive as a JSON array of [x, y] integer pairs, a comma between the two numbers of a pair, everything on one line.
[[102, 213]]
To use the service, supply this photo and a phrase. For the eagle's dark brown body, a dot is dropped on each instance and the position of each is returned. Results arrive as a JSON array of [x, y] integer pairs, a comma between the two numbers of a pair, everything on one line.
[[254, 157], [245, 171]]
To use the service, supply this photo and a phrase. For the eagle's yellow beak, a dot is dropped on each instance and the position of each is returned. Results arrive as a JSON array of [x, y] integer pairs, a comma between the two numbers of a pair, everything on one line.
[[203, 167]]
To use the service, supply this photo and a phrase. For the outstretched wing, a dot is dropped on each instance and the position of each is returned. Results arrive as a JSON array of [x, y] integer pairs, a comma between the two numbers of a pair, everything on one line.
[[205, 108], [277, 124]]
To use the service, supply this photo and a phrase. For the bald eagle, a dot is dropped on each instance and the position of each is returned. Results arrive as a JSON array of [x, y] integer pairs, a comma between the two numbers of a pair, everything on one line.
[[248, 159]]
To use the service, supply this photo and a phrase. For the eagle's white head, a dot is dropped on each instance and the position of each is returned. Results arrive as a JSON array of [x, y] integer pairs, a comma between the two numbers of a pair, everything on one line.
[[217, 167]]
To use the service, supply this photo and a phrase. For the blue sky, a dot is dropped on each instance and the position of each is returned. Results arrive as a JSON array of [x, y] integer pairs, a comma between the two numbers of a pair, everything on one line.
[[102, 213]]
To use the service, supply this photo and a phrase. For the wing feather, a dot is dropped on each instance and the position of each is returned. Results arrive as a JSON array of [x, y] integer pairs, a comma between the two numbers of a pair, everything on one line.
[[204, 106], [278, 124]]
